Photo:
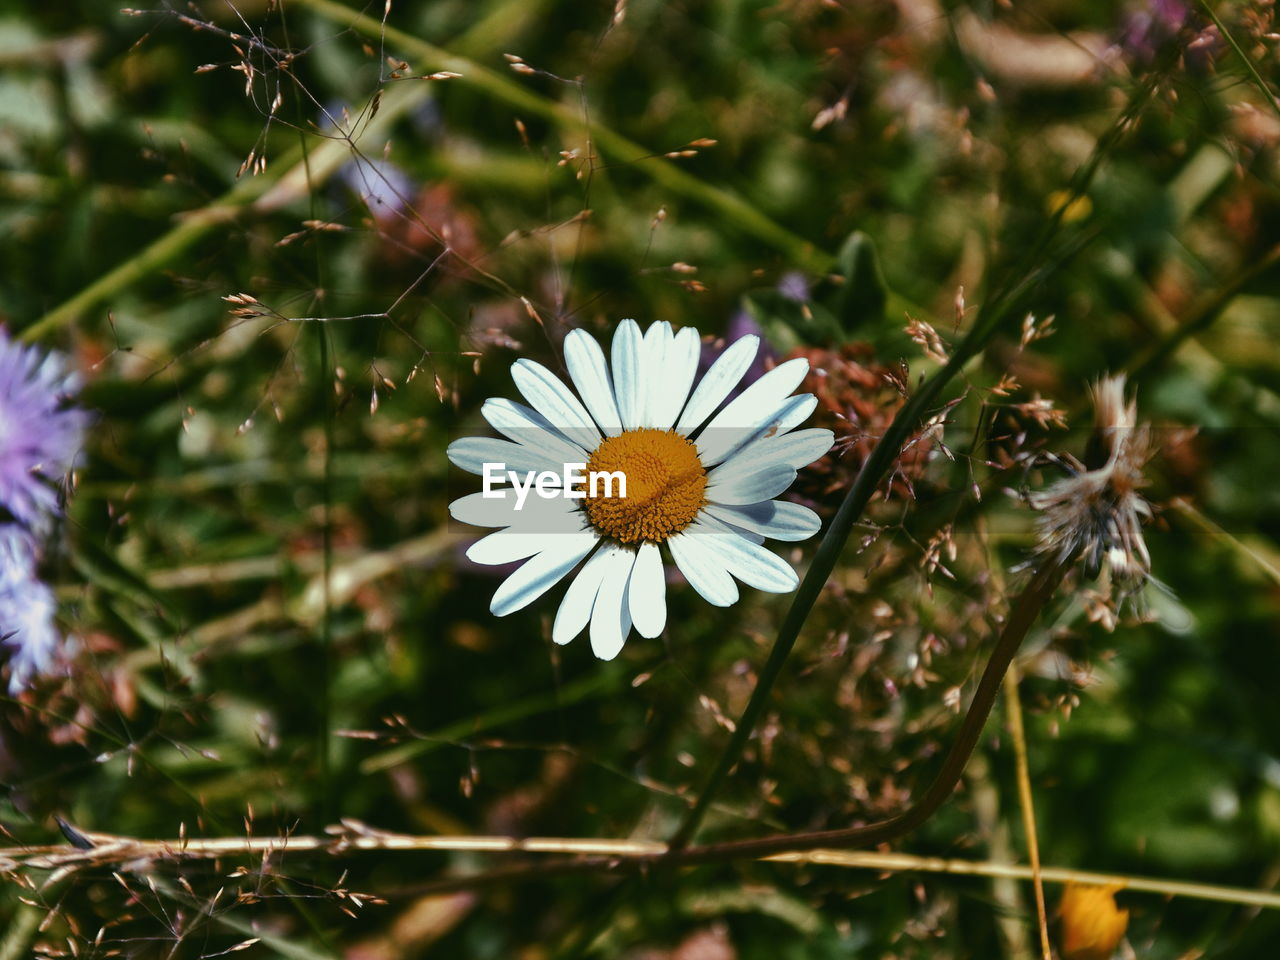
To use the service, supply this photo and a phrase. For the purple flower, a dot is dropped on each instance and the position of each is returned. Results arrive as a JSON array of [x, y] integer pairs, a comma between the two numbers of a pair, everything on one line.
[[1154, 22], [794, 286], [40, 433], [26, 610], [385, 189]]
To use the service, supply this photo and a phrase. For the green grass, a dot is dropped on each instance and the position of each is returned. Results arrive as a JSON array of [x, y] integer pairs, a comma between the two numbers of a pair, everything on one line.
[[275, 628]]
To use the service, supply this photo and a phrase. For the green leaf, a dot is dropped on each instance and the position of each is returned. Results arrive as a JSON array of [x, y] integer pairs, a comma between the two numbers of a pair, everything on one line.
[[862, 298], [788, 323]]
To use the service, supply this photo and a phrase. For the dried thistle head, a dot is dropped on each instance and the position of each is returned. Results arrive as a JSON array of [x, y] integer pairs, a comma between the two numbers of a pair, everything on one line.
[[1096, 514]]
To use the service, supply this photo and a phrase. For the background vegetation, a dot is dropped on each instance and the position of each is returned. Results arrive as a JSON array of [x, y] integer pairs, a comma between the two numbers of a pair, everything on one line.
[[292, 253]]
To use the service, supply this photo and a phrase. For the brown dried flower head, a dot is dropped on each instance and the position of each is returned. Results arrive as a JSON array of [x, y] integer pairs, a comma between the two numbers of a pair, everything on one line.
[[1096, 514], [857, 399]]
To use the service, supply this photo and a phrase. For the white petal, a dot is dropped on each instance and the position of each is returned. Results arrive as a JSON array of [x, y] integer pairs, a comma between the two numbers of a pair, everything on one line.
[[657, 343], [718, 382], [761, 403], [499, 510], [544, 571], [763, 484], [703, 569], [472, 453], [677, 377], [590, 374], [580, 598], [481, 511], [526, 537], [505, 547], [629, 384], [551, 398], [725, 443], [795, 450], [804, 446], [749, 562], [795, 411], [523, 425], [611, 616], [740, 531], [777, 519], [647, 595]]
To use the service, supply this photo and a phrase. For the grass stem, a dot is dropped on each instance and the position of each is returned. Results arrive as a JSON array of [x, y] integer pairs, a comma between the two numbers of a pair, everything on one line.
[[1026, 803], [1008, 297], [428, 57]]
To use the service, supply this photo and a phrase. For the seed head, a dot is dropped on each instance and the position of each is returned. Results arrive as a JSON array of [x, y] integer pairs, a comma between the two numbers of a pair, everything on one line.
[[1096, 514]]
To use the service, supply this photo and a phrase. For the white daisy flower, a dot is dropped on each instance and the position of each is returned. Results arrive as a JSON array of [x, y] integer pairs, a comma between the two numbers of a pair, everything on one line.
[[700, 480]]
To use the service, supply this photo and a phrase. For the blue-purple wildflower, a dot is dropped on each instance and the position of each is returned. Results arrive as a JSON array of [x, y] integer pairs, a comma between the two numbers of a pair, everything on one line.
[[385, 188], [27, 608], [40, 433], [1150, 25], [794, 285]]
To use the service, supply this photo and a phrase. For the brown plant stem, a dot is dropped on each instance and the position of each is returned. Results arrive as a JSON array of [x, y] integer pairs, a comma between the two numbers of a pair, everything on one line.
[[1010, 296], [1026, 608], [632, 854], [119, 849]]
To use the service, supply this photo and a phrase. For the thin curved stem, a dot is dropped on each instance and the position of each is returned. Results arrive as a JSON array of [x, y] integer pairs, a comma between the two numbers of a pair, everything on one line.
[[636, 854], [1250, 67], [1010, 295], [824, 562], [828, 553], [1026, 608]]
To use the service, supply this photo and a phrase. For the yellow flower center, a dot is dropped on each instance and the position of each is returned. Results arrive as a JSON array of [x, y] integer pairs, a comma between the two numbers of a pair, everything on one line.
[[665, 485]]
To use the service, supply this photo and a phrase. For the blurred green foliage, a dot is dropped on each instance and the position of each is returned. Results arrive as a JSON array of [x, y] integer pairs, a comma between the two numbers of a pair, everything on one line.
[[916, 149]]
